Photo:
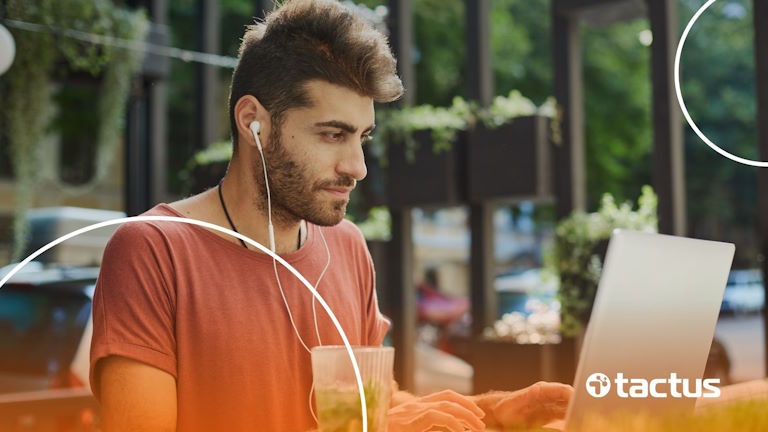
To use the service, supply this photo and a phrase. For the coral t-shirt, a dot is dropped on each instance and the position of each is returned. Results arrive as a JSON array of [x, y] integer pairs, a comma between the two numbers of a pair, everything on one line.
[[209, 312]]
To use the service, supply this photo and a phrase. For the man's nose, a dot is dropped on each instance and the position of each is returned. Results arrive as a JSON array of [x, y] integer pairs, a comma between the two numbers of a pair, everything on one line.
[[353, 163]]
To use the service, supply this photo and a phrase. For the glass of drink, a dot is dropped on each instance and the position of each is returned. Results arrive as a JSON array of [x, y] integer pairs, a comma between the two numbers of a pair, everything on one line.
[[337, 395]]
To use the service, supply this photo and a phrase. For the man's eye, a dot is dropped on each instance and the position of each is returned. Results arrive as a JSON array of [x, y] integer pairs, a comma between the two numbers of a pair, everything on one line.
[[335, 136], [367, 138]]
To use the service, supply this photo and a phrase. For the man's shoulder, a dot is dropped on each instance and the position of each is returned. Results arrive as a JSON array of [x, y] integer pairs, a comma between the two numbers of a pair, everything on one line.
[[348, 232], [146, 231]]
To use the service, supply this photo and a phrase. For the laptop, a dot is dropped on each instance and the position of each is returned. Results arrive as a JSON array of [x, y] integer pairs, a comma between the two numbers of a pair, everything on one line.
[[651, 327]]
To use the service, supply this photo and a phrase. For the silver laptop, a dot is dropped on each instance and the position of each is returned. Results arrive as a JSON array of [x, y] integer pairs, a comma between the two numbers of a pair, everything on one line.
[[651, 327]]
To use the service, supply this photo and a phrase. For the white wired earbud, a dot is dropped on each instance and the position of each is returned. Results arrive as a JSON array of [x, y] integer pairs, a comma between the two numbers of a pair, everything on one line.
[[255, 127]]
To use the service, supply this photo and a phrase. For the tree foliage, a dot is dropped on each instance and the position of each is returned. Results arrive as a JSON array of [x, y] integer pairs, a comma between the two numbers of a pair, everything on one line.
[[718, 85], [717, 74]]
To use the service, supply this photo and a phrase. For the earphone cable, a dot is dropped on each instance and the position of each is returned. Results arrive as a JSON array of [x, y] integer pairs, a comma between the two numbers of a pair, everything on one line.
[[288, 308], [254, 126], [269, 196], [277, 277], [327, 264]]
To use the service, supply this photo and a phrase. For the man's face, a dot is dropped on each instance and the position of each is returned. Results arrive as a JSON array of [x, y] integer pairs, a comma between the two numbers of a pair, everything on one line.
[[315, 155]]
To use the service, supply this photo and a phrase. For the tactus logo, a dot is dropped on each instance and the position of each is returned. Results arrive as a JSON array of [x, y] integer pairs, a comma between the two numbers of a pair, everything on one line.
[[598, 385]]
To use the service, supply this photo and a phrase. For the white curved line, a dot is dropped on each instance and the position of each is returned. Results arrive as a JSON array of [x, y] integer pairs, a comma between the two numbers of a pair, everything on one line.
[[253, 243], [713, 146]]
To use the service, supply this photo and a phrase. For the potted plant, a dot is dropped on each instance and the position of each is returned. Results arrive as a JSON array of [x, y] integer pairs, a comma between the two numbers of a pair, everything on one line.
[[509, 151], [451, 155], [527, 348], [544, 344], [425, 154], [581, 241]]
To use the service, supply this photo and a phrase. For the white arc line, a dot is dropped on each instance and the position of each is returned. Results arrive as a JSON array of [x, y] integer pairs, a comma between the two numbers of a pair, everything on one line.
[[253, 243], [713, 146]]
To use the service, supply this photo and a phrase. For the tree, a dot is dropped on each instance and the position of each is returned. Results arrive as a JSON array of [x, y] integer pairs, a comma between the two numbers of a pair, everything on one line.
[[718, 85], [717, 74]]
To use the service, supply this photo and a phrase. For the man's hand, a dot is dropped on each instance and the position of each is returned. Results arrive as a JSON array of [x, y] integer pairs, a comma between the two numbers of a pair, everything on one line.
[[443, 411], [532, 406]]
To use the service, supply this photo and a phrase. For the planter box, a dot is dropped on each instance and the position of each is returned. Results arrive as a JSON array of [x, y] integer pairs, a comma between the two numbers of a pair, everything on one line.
[[511, 161], [430, 179], [508, 366]]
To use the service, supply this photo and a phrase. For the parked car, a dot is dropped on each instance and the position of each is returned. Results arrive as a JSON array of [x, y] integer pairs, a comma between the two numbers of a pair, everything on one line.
[[744, 292], [45, 337], [515, 288]]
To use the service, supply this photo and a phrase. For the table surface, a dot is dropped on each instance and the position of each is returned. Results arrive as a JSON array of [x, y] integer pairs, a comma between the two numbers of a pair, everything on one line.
[[731, 393], [736, 392]]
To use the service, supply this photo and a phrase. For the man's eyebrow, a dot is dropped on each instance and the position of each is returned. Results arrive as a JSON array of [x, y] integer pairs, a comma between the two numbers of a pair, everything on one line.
[[343, 126]]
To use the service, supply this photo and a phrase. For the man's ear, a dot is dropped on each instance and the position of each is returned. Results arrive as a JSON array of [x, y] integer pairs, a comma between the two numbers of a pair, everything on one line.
[[248, 109]]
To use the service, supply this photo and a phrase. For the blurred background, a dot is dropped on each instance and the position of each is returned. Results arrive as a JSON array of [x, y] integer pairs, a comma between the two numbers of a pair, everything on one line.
[[529, 130]]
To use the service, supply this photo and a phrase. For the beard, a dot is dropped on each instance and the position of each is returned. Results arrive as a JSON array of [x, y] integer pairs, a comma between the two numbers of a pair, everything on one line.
[[294, 195]]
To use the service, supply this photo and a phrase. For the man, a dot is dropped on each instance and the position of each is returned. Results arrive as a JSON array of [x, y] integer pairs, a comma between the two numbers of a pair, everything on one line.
[[194, 330]]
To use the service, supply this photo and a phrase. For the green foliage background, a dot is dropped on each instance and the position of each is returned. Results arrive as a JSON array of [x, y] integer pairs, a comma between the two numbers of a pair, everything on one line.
[[718, 84]]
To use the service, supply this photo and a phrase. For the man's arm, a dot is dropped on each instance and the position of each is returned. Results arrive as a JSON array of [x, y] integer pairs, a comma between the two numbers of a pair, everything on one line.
[[135, 396]]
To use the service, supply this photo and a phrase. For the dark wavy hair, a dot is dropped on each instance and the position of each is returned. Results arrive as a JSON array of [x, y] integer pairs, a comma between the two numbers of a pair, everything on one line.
[[306, 40]]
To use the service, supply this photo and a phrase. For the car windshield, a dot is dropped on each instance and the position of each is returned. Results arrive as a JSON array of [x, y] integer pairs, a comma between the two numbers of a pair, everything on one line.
[[40, 330]]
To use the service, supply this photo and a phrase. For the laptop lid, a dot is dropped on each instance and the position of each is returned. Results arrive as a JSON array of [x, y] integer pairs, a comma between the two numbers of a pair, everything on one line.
[[652, 325]]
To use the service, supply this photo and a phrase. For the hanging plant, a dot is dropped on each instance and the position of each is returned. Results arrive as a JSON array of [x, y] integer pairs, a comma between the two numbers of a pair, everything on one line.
[[28, 87], [116, 75]]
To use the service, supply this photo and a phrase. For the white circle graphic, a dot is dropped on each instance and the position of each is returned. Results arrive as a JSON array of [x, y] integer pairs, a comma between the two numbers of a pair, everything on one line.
[[253, 243], [713, 146], [7, 49], [598, 385]]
